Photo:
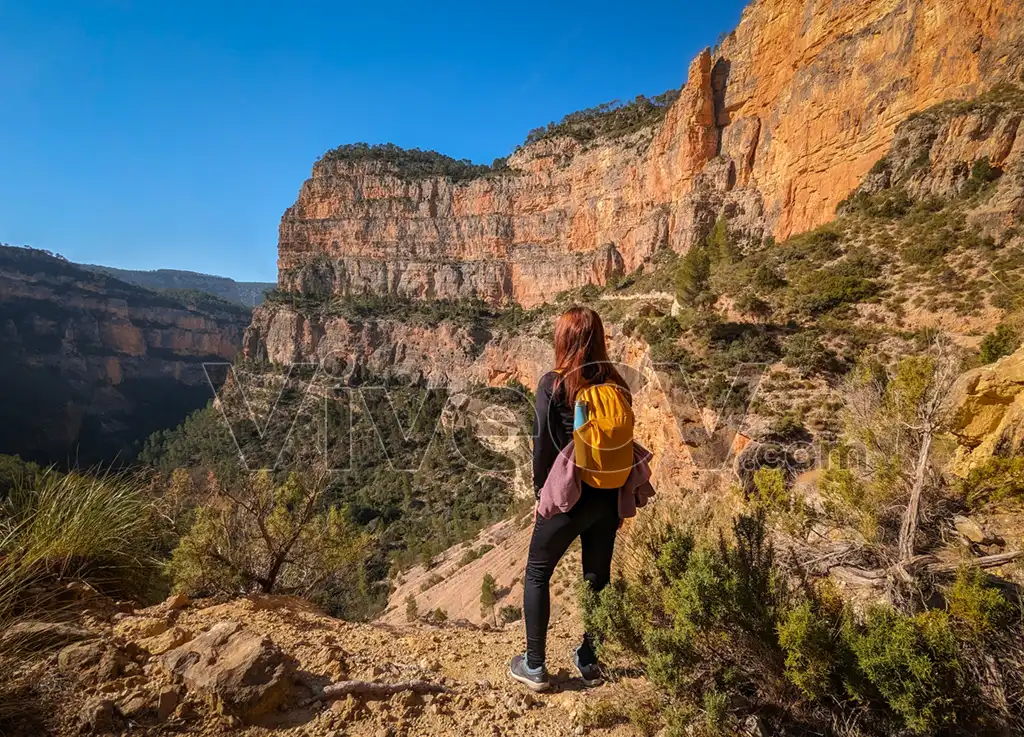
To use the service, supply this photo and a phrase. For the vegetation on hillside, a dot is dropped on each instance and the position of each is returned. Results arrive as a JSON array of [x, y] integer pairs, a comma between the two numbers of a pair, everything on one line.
[[609, 119], [414, 163], [406, 483], [470, 313]]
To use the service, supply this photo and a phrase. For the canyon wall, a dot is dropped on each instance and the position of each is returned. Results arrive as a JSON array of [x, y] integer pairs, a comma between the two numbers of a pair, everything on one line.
[[772, 130], [90, 365]]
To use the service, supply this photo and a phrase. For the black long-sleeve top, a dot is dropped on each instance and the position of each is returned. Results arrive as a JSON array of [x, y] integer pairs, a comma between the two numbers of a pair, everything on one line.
[[552, 427]]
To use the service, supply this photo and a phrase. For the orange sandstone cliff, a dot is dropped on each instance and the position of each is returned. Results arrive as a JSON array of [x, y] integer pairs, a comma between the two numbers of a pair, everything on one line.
[[772, 130]]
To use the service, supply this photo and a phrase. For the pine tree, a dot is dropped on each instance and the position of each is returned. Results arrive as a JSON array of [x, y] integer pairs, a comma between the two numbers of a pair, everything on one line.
[[721, 249], [693, 274]]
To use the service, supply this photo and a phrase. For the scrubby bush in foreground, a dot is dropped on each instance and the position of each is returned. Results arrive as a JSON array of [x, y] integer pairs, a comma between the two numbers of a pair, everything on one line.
[[273, 538], [724, 624]]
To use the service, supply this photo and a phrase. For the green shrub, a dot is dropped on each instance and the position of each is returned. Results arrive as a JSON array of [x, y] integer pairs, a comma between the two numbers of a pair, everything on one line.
[[722, 250], [766, 279], [807, 639], [753, 305], [616, 615], [788, 427], [488, 593], [432, 580], [888, 203], [510, 613], [982, 174], [715, 712], [720, 620], [16, 474], [979, 607], [828, 289], [269, 537], [817, 246], [927, 253], [914, 664], [805, 353], [692, 275], [1003, 341], [473, 554], [770, 485], [411, 609], [995, 480]]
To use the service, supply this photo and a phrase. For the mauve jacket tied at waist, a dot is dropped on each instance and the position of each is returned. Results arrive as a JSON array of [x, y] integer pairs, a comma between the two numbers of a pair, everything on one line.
[[562, 489]]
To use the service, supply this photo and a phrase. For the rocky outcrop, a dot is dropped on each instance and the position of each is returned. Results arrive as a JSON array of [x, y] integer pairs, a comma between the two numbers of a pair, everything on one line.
[[987, 416], [773, 130], [90, 366], [955, 149], [242, 674], [447, 353]]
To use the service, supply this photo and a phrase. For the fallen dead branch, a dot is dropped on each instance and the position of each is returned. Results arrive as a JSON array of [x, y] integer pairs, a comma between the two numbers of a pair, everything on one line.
[[918, 564], [341, 689]]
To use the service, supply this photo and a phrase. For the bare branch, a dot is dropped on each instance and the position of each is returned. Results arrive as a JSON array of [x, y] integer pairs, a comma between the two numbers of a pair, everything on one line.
[[342, 689], [988, 561]]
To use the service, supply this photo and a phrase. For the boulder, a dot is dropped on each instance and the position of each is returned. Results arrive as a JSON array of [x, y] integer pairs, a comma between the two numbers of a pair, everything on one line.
[[177, 601], [149, 627], [99, 716], [987, 413], [242, 674], [138, 705], [93, 662], [970, 529], [167, 702], [80, 656], [34, 636], [173, 638]]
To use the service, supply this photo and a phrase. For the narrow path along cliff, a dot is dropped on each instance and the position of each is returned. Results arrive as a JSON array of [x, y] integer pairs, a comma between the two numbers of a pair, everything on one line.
[[259, 666]]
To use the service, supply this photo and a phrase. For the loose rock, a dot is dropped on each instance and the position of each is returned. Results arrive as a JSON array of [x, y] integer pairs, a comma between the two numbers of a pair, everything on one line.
[[970, 529], [244, 674], [36, 636]]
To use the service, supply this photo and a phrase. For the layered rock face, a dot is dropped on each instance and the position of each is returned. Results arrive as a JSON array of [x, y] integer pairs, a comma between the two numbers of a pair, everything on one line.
[[958, 145], [90, 365], [444, 354], [772, 130], [987, 413]]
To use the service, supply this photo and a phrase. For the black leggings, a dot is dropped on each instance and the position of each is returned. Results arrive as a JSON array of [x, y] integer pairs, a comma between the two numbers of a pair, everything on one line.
[[594, 519]]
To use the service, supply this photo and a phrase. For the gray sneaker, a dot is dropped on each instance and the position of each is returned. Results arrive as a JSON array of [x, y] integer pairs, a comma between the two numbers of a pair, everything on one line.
[[535, 680], [590, 674]]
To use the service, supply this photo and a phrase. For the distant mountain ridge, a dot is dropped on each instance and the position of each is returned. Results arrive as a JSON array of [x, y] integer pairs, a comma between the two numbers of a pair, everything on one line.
[[91, 364], [247, 293]]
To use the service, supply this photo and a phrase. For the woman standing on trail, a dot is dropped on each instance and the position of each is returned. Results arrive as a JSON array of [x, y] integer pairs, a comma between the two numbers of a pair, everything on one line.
[[575, 504]]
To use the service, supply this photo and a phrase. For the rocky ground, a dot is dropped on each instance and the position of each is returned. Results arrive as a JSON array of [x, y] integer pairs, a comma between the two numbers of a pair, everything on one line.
[[261, 666]]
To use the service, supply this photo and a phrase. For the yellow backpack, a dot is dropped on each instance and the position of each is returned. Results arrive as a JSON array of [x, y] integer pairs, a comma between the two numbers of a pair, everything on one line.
[[604, 444]]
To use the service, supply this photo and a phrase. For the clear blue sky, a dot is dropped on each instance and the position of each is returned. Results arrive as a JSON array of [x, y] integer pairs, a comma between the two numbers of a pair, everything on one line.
[[151, 133]]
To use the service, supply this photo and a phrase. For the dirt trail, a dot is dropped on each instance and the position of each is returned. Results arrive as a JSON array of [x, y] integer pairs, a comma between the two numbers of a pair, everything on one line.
[[470, 663]]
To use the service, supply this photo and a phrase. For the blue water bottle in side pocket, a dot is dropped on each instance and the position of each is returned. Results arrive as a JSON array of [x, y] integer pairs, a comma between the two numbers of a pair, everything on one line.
[[580, 416]]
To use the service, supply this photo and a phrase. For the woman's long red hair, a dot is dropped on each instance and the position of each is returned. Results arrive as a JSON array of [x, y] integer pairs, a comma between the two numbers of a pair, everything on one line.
[[581, 356]]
